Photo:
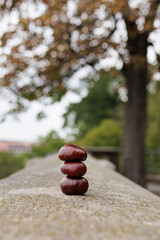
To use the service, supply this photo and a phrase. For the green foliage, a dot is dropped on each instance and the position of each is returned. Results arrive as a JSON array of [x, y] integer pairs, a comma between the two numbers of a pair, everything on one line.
[[48, 144], [153, 138], [108, 133], [153, 131], [100, 103], [10, 163]]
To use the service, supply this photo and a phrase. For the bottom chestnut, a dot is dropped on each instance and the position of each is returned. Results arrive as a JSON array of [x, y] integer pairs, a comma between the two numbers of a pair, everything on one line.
[[74, 185]]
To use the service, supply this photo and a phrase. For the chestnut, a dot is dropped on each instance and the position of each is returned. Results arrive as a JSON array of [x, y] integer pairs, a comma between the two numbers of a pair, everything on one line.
[[70, 152], [73, 169], [74, 185]]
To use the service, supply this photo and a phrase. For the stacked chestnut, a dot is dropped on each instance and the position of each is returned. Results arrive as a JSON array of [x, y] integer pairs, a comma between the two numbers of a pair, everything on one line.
[[73, 183]]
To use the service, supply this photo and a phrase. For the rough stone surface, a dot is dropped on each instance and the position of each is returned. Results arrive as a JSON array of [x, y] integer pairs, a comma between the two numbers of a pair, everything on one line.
[[32, 206]]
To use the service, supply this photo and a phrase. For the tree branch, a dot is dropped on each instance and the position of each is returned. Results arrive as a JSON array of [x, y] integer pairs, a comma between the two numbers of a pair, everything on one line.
[[149, 19]]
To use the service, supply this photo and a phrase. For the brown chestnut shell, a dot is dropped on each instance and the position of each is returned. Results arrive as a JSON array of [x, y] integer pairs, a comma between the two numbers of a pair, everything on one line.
[[74, 186], [70, 152], [73, 169]]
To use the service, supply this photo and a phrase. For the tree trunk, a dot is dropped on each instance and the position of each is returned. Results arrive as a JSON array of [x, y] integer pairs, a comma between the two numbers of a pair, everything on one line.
[[135, 73], [135, 123]]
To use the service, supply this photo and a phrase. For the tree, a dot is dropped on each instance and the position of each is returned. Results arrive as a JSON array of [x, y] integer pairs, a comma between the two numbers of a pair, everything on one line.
[[59, 37], [48, 144], [100, 103], [107, 133], [10, 163]]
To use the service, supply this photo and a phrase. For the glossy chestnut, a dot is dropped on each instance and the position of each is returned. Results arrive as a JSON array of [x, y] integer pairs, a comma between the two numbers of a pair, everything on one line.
[[70, 152], [74, 186], [73, 169]]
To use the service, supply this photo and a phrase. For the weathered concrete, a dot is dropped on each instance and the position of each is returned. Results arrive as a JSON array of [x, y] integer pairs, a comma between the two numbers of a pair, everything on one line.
[[32, 206]]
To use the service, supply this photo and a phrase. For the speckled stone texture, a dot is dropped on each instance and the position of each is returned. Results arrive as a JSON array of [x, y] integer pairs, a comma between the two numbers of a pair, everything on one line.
[[32, 206]]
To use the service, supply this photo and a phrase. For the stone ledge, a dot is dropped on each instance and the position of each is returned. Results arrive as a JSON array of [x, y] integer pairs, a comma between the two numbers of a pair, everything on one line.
[[32, 206]]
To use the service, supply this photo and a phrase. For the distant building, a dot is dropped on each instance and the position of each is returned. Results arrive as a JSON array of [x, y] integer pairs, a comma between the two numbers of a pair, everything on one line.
[[15, 147]]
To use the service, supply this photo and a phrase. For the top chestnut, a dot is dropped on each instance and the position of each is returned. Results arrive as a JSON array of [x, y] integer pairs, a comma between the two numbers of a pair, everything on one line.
[[70, 152]]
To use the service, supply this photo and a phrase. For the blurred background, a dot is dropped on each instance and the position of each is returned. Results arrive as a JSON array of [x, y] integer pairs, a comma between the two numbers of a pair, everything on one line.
[[81, 72]]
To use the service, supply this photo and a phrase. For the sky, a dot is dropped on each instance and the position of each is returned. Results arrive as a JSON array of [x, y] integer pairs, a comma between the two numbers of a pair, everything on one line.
[[28, 129]]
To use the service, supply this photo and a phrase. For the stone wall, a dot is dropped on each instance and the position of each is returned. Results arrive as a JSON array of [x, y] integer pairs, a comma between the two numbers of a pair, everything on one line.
[[32, 206]]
